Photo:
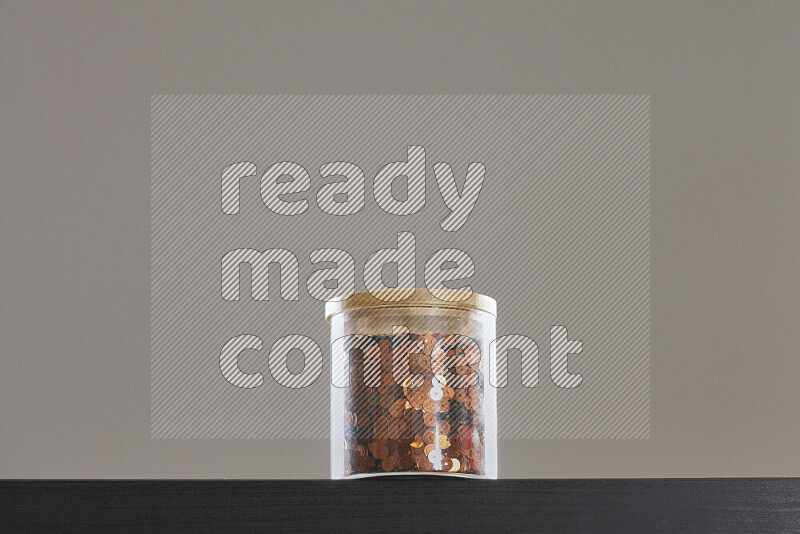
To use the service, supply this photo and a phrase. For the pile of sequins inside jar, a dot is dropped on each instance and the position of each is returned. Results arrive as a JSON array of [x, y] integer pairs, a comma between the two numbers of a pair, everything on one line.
[[416, 399]]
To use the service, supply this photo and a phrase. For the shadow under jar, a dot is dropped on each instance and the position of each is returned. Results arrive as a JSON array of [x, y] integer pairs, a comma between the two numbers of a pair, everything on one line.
[[410, 392]]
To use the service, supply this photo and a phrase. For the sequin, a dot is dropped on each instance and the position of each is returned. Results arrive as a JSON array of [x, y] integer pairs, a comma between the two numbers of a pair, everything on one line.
[[402, 427]]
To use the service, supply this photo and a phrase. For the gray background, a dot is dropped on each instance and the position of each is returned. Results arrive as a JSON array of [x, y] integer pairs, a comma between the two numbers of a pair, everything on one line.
[[77, 78]]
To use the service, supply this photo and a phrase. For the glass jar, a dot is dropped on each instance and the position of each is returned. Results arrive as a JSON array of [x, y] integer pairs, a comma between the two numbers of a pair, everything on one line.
[[409, 387]]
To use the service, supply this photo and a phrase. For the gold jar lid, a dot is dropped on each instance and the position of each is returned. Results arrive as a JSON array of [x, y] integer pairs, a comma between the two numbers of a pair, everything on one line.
[[421, 298]]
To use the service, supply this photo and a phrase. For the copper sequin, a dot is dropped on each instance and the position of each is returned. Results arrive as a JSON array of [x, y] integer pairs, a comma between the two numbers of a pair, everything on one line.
[[414, 425]]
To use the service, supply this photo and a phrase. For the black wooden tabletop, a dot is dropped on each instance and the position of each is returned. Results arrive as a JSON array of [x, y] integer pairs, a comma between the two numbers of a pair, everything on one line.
[[405, 504]]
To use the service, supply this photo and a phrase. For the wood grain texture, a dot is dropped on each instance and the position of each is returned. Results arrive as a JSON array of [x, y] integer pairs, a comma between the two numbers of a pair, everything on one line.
[[419, 504]]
